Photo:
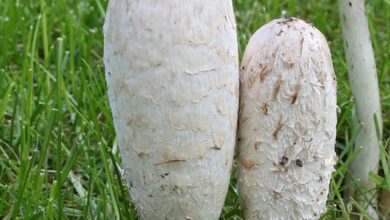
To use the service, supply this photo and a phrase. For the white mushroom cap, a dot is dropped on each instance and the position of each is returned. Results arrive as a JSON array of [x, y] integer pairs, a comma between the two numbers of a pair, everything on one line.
[[287, 122], [172, 76]]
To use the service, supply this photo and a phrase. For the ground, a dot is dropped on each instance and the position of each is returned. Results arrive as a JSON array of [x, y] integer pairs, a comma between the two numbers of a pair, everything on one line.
[[59, 157]]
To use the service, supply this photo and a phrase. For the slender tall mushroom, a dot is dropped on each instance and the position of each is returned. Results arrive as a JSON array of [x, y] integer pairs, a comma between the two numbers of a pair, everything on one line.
[[287, 122], [172, 77], [364, 86]]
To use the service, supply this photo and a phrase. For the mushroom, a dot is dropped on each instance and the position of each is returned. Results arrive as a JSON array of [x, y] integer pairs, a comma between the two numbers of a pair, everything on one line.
[[172, 76], [287, 122], [364, 85]]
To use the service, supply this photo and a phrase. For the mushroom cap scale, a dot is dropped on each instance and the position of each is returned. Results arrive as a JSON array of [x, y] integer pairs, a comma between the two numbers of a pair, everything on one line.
[[172, 77], [287, 122]]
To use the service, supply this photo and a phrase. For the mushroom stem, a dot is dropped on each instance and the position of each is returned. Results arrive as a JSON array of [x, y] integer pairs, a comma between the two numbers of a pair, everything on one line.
[[364, 86]]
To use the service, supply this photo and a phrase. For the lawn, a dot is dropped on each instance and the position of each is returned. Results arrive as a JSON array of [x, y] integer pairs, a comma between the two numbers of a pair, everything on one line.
[[58, 154]]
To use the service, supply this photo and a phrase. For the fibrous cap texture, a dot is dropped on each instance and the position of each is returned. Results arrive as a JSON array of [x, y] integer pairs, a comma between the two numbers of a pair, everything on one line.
[[172, 77], [287, 122]]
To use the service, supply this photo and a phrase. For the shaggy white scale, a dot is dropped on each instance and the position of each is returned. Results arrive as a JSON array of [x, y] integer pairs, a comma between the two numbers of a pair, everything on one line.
[[172, 76], [287, 122]]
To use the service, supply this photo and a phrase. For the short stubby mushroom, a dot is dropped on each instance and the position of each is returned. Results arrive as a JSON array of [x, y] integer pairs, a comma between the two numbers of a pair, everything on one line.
[[287, 122]]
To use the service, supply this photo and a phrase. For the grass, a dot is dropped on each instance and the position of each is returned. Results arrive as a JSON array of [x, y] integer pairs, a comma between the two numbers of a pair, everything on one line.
[[58, 154]]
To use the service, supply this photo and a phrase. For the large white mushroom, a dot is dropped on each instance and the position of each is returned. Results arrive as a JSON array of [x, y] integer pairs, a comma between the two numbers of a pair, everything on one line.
[[172, 77], [287, 122]]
